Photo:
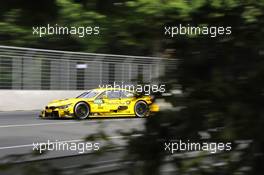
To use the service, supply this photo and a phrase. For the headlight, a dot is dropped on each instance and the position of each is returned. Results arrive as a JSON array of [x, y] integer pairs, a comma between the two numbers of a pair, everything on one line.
[[65, 106]]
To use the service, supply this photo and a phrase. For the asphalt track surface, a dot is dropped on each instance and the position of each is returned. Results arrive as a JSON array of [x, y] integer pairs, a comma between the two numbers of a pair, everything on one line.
[[20, 129]]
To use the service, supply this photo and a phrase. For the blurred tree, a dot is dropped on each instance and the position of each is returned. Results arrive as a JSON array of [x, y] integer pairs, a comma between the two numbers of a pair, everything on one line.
[[221, 80], [30, 12]]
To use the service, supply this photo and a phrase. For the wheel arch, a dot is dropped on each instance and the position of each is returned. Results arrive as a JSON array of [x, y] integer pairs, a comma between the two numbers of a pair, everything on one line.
[[83, 102]]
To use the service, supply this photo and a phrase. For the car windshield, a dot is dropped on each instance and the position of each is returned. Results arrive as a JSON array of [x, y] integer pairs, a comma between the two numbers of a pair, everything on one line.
[[89, 94]]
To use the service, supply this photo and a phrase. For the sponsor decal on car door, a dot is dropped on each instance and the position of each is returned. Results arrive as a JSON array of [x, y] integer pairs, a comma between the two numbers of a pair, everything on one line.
[[112, 102], [107, 101]]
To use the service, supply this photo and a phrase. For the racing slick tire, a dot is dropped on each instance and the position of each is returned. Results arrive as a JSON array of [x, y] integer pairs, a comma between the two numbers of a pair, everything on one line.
[[81, 110], [141, 109]]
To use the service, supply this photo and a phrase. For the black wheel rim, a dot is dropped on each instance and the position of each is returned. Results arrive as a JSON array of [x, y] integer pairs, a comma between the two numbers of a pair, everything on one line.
[[141, 109], [82, 111]]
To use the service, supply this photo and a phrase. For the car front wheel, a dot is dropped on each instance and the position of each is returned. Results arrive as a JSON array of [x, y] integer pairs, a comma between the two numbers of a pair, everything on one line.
[[81, 110]]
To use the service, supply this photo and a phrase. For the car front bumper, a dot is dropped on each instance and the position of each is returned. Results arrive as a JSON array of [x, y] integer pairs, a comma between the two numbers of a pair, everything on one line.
[[56, 113]]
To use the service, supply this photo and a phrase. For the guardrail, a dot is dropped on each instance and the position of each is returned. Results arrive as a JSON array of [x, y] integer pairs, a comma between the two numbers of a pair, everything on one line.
[[40, 69]]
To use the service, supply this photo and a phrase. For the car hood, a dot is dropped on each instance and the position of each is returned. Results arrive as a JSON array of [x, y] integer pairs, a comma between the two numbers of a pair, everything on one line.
[[66, 101]]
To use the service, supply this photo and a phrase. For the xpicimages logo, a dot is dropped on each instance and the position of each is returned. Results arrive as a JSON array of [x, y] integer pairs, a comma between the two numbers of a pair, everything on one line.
[[212, 31], [181, 146], [78, 146], [65, 30], [146, 89]]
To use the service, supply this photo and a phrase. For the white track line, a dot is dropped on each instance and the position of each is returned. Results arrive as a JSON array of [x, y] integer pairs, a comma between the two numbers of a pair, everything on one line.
[[37, 124], [57, 123], [18, 146], [77, 140]]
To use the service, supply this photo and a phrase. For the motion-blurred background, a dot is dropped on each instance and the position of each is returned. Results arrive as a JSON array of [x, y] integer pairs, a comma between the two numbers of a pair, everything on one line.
[[221, 78]]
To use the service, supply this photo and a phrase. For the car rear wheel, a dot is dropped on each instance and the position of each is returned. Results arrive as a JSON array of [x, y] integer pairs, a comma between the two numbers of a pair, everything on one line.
[[81, 110], [141, 109]]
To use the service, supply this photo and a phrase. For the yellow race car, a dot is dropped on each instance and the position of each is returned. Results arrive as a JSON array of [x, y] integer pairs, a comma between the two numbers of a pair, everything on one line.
[[101, 102]]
